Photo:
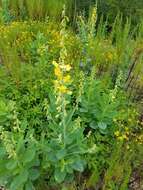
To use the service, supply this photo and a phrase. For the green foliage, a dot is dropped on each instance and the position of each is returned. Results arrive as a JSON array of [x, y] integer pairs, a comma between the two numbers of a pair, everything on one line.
[[128, 8], [39, 9], [67, 116], [35, 9]]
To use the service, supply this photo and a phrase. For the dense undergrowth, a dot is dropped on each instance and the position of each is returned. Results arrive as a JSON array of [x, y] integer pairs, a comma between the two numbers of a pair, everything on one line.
[[70, 104], [39, 9]]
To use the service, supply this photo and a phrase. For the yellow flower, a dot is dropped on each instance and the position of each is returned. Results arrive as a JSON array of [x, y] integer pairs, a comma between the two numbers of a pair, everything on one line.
[[125, 137], [109, 56], [67, 79], [56, 83], [58, 72], [66, 67], [63, 89], [117, 133], [126, 128], [121, 138], [127, 133], [55, 64]]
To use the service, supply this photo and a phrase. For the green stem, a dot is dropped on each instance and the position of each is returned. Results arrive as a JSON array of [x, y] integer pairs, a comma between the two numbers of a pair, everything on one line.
[[63, 121]]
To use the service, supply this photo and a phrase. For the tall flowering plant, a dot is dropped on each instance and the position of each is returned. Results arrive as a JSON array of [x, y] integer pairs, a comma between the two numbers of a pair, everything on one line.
[[69, 144]]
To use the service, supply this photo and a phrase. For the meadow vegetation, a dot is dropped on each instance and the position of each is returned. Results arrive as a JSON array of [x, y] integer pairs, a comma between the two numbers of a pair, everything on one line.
[[70, 98]]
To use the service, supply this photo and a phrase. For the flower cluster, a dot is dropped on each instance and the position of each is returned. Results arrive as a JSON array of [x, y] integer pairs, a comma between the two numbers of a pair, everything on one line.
[[122, 135], [9, 144], [139, 139], [109, 56], [42, 49], [61, 70], [24, 38], [92, 22], [63, 79]]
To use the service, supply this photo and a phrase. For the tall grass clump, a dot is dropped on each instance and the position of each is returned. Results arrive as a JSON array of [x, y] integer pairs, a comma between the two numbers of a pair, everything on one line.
[[34, 9]]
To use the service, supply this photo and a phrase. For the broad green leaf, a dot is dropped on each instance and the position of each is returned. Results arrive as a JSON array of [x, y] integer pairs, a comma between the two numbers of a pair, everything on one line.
[[61, 154], [29, 186], [59, 175], [29, 155], [11, 164], [34, 174], [102, 125], [2, 152], [24, 124], [3, 170], [79, 165], [20, 145], [83, 110], [19, 180], [93, 125]]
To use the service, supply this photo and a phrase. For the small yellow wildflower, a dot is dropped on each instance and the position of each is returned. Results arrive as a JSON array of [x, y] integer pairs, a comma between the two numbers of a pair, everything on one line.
[[126, 128], [110, 56], [127, 132], [121, 138], [125, 136], [117, 133]]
